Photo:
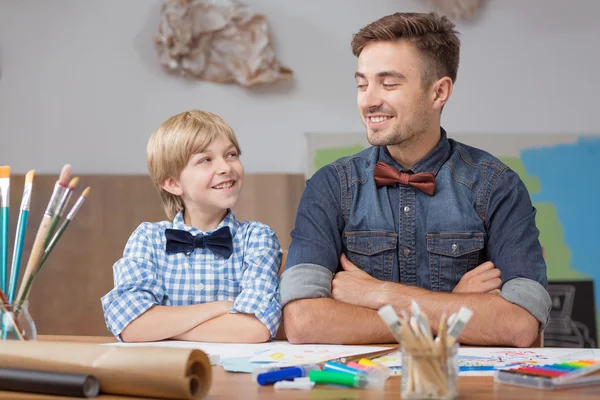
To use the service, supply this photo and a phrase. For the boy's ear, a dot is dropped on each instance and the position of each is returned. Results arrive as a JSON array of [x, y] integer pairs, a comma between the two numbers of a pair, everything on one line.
[[172, 186]]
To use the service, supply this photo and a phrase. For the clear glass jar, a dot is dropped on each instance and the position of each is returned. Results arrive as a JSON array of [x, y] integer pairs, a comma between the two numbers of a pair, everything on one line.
[[16, 321], [430, 374]]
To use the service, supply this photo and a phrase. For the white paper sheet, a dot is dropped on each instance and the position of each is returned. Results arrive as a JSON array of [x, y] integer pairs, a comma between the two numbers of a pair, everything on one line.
[[275, 351]]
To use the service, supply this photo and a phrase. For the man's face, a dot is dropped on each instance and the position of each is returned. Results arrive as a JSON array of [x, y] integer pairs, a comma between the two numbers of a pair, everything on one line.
[[393, 104]]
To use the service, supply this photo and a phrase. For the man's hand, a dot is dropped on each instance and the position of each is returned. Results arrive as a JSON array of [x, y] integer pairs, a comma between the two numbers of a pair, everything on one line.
[[355, 286], [485, 278]]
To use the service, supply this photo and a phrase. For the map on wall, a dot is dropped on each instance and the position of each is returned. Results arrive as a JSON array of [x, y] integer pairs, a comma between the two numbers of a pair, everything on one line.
[[560, 174]]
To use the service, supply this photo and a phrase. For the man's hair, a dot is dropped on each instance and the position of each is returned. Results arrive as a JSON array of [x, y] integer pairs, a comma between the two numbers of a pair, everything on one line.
[[433, 35], [171, 146]]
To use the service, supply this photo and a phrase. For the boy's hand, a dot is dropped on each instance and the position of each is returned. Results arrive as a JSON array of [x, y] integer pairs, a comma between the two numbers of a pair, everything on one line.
[[485, 278]]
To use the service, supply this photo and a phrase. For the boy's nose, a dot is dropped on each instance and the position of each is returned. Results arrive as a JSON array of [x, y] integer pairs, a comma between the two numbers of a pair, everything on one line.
[[223, 167]]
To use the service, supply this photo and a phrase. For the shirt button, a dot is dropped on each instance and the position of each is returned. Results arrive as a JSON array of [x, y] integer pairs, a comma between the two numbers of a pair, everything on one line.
[[406, 251], [454, 247], [406, 210], [199, 286]]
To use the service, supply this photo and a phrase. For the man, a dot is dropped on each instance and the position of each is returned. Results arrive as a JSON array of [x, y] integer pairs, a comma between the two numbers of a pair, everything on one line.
[[416, 216]]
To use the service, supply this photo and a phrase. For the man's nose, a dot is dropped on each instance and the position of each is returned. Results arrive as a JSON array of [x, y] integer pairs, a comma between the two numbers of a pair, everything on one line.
[[371, 98]]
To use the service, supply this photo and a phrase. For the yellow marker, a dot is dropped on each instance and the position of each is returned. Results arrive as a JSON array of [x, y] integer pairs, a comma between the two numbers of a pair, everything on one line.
[[368, 363]]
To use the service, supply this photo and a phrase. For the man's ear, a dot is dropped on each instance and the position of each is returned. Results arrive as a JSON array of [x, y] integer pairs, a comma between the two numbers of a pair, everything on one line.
[[442, 89], [172, 186]]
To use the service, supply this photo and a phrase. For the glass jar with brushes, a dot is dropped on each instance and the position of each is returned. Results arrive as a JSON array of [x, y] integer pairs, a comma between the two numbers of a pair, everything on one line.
[[16, 321]]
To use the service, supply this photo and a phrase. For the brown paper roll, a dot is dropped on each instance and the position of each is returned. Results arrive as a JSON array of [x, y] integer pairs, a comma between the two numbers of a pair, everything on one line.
[[166, 373]]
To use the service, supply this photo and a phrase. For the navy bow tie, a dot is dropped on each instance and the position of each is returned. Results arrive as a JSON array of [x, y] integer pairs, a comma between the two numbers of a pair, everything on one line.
[[219, 242]]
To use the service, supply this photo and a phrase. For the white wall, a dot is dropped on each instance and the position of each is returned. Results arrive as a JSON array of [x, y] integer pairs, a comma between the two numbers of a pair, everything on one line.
[[80, 81]]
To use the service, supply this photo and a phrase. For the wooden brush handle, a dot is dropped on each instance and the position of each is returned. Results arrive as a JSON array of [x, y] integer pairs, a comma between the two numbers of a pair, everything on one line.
[[37, 252]]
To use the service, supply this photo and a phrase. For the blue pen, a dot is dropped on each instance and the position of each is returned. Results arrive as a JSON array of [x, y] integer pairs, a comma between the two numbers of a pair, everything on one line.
[[285, 374]]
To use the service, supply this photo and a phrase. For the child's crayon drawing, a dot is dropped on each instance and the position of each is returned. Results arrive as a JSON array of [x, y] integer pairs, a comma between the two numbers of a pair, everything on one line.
[[312, 353], [484, 361]]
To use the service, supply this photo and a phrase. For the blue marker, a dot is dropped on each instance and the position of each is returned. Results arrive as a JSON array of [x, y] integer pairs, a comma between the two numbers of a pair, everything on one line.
[[285, 374]]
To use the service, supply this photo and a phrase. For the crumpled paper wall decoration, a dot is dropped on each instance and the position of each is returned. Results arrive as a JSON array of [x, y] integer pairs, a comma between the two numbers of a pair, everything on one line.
[[459, 9], [217, 40]]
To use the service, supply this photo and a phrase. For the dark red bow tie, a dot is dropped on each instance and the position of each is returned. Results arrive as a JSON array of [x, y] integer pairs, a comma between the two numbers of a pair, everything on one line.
[[386, 175]]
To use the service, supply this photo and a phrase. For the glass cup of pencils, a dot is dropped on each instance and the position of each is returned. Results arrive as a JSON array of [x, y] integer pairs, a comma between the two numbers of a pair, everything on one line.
[[16, 321], [430, 373]]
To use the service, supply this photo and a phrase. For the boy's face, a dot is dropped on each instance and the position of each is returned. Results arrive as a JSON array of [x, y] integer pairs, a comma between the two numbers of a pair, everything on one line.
[[212, 180]]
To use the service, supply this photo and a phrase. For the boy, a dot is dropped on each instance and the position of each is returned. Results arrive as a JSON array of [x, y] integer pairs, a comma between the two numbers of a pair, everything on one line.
[[204, 276]]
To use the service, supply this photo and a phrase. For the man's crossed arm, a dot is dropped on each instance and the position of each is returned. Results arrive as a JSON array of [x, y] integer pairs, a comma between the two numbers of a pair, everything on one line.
[[350, 316]]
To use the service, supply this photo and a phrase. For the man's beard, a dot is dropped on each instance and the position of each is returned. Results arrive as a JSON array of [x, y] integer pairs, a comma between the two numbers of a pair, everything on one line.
[[397, 136]]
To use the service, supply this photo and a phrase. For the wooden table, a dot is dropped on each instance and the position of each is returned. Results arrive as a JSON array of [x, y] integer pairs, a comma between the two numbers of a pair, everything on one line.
[[227, 385]]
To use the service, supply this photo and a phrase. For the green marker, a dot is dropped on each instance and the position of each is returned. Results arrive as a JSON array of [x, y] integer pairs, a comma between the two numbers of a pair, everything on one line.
[[340, 378]]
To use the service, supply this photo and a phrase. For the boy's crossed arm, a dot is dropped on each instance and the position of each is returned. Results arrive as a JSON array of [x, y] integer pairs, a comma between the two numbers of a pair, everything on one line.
[[229, 328], [166, 322]]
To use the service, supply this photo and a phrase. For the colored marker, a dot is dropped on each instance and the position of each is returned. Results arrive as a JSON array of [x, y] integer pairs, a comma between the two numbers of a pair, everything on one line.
[[341, 378], [285, 374], [376, 376]]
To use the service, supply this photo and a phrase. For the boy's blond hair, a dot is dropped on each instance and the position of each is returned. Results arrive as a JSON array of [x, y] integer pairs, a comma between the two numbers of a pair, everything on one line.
[[171, 146]]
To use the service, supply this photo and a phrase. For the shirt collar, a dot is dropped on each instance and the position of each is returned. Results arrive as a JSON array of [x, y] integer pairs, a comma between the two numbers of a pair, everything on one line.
[[229, 221], [432, 162]]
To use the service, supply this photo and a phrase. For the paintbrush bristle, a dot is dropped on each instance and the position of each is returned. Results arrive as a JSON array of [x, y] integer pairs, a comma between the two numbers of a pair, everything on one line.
[[65, 174], [86, 192], [29, 177], [5, 172], [74, 182]]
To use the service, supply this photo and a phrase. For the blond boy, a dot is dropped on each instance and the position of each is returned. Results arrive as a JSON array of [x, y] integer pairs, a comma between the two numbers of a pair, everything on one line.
[[201, 276]]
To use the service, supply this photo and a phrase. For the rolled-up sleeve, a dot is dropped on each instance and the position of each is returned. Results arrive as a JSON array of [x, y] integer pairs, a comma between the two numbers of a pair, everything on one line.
[[313, 256], [531, 296], [514, 247], [260, 279], [138, 283]]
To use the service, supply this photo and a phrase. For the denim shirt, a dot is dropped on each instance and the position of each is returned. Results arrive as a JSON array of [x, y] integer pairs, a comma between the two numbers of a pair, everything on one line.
[[480, 211]]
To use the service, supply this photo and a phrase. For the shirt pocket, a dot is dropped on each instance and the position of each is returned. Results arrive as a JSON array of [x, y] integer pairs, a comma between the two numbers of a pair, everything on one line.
[[373, 252], [451, 255]]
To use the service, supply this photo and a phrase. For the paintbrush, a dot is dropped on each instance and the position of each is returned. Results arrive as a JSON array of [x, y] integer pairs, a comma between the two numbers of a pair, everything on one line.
[[65, 223], [20, 235], [5, 203], [19, 241], [37, 250], [60, 209], [27, 283]]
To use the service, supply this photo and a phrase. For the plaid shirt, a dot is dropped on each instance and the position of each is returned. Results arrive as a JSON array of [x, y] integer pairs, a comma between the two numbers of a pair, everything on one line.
[[148, 276]]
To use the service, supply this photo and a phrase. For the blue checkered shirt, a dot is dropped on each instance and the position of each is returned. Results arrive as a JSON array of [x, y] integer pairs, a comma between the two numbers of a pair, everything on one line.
[[148, 276]]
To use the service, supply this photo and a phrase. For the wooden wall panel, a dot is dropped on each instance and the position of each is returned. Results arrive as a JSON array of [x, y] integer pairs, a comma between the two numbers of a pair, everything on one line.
[[65, 298]]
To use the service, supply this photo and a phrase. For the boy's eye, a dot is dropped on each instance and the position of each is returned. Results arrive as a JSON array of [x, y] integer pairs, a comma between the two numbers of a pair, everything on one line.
[[232, 155], [203, 160]]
